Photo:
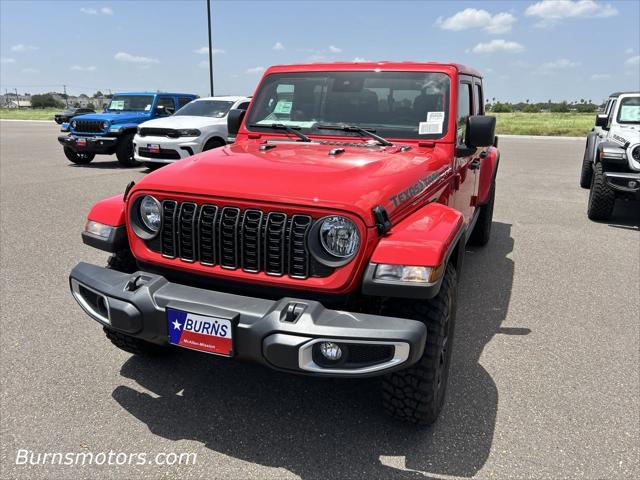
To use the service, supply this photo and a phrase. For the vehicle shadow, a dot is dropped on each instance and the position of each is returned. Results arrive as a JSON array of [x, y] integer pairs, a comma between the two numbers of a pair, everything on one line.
[[108, 165], [331, 428]]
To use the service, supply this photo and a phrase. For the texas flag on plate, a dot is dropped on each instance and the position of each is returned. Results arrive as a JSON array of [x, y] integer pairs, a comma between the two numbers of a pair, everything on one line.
[[200, 332]]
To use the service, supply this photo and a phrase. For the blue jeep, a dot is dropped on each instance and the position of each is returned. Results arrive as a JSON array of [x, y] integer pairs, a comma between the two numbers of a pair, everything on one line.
[[112, 131]]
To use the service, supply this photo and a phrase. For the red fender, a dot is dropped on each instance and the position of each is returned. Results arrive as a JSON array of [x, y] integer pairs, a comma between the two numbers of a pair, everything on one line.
[[109, 211], [425, 238], [488, 170]]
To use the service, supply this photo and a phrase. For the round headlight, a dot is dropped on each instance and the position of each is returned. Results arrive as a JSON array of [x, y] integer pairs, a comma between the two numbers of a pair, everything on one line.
[[635, 153], [339, 236], [73, 124], [105, 125], [150, 213]]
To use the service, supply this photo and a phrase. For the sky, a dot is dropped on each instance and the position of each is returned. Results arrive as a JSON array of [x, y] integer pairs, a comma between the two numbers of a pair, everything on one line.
[[536, 50]]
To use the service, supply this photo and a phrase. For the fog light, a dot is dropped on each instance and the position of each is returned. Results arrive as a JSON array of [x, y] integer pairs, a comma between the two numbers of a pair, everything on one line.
[[632, 184], [330, 351]]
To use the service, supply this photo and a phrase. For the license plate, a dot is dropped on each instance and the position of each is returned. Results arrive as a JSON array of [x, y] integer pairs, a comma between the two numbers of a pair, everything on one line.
[[153, 148], [81, 142], [200, 332]]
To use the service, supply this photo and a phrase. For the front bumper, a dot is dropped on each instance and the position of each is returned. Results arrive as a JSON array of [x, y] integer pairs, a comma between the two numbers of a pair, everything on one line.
[[279, 334], [171, 149], [624, 182], [99, 145]]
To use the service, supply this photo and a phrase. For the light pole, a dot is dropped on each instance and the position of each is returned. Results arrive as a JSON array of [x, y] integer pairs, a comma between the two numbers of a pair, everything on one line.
[[210, 49]]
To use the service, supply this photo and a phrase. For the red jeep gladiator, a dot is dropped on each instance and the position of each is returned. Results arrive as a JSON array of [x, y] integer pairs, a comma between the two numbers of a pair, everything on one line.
[[327, 241]]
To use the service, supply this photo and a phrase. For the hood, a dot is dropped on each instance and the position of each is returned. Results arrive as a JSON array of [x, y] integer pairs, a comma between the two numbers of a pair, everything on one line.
[[115, 118], [301, 174], [184, 121], [625, 134]]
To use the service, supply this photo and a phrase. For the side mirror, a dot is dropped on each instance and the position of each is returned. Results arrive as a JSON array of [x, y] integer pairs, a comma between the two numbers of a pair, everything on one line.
[[234, 120], [481, 131], [602, 119]]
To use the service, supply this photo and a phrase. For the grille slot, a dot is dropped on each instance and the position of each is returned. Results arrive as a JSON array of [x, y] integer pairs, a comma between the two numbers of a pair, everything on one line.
[[251, 233], [168, 235], [274, 243], [207, 234], [228, 237], [298, 255], [251, 240], [187, 231]]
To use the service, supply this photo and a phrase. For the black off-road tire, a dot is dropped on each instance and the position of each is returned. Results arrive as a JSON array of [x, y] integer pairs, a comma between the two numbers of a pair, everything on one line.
[[586, 172], [124, 151], [211, 144], [135, 345], [482, 230], [601, 197], [417, 393], [78, 158]]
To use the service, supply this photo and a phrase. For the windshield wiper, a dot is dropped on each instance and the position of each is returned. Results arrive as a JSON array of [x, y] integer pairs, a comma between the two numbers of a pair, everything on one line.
[[281, 126], [355, 128]]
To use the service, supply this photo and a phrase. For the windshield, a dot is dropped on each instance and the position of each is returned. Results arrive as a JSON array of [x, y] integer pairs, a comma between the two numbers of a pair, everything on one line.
[[131, 103], [629, 111], [206, 108], [393, 104]]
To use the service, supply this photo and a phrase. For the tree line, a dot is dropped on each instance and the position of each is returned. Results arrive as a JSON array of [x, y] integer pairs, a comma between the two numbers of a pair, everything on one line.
[[581, 106]]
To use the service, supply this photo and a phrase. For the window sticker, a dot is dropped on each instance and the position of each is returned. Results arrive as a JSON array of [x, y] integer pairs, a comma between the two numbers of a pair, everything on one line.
[[630, 113], [147, 108], [283, 107], [428, 128], [117, 105], [435, 117]]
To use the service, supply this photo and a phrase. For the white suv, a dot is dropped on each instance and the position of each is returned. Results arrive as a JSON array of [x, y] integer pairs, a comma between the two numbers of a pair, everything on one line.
[[198, 126], [611, 163]]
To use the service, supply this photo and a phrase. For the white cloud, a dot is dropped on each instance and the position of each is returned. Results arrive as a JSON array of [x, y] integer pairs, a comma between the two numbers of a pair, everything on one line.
[[629, 51], [333, 49], [106, 11], [89, 11], [633, 61], [360, 60], [127, 57], [30, 70], [205, 51], [80, 68], [559, 64], [21, 47], [278, 46], [600, 76], [5, 60], [497, 45], [254, 70], [551, 12], [473, 18]]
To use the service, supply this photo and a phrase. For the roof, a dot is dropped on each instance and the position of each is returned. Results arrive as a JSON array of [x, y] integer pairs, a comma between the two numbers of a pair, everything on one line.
[[617, 94], [157, 93], [229, 98], [381, 65]]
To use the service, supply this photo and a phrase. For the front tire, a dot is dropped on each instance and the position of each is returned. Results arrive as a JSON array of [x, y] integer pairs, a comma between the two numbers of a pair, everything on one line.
[[211, 144], [417, 393], [124, 151], [78, 158], [601, 196]]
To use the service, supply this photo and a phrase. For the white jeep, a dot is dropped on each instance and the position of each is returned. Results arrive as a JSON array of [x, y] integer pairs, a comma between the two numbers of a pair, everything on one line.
[[611, 162]]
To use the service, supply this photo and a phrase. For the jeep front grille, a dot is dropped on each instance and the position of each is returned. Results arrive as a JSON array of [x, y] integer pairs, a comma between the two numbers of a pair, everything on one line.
[[88, 126], [251, 240]]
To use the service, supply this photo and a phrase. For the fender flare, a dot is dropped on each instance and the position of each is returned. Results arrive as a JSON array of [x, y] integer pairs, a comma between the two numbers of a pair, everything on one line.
[[433, 236], [590, 147], [110, 211], [488, 173]]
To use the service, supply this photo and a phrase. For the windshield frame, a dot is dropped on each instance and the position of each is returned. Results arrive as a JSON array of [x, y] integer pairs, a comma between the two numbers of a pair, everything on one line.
[[619, 112], [191, 104], [116, 97], [394, 132]]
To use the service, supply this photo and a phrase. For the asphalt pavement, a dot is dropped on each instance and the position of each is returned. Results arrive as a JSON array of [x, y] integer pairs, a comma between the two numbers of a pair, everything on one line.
[[545, 380]]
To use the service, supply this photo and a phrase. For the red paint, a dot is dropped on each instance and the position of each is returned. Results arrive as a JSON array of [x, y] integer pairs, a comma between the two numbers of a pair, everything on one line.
[[422, 239], [109, 211]]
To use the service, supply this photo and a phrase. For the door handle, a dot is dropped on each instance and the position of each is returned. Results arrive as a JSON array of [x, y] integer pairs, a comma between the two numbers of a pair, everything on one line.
[[474, 165]]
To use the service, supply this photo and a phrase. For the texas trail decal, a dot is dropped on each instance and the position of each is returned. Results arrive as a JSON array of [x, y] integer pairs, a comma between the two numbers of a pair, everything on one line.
[[198, 332]]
